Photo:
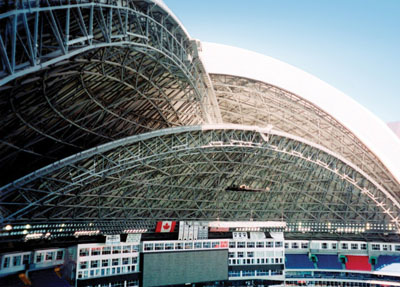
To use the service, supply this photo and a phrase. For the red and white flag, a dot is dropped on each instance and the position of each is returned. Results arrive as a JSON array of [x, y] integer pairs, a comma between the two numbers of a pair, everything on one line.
[[165, 226]]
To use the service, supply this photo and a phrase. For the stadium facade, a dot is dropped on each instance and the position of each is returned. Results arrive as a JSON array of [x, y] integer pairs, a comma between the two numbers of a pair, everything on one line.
[[132, 154]]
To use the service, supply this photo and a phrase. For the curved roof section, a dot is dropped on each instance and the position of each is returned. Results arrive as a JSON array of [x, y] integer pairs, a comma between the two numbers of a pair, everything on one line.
[[222, 59]]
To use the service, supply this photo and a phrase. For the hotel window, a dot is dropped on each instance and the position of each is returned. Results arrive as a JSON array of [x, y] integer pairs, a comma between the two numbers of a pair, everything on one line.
[[178, 246], [197, 245], [26, 259], [250, 244], [376, 247], [116, 249], [148, 246], [354, 246], [278, 244], [232, 244], [324, 245], [241, 244], [344, 246], [169, 246], [39, 257], [295, 245], [215, 244], [159, 246], [387, 247], [94, 264], [206, 245], [125, 261], [83, 265], [135, 248], [126, 249], [134, 260], [334, 245], [60, 255], [250, 254], [363, 246], [304, 245], [231, 254], [115, 261], [104, 262], [84, 252], [240, 254], [49, 256], [397, 247], [188, 245], [286, 245], [96, 251], [106, 250], [17, 260], [269, 244]]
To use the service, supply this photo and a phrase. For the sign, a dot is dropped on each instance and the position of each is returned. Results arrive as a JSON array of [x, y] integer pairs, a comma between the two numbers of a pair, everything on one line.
[[113, 239], [134, 237]]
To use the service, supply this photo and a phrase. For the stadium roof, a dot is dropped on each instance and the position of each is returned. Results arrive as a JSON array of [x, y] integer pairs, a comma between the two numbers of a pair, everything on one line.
[[118, 120]]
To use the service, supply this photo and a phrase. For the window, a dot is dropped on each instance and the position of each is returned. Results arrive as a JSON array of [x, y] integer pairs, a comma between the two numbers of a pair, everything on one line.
[[17, 260], [334, 245], [387, 247], [159, 246], [250, 244], [241, 244], [354, 246], [231, 254], [178, 246], [234, 273], [116, 250], [278, 244], [126, 249], [96, 251], [304, 245], [269, 244], [115, 261], [26, 259], [344, 246], [60, 255], [135, 248], [324, 245], [262, 260], [397, 247], [363, 246], [188, 245], [249, 272], [286, 245], [295, 245], [49, 256], [104, 263], [376, 247], [250, 254], [260, 244], [240, 254], [215, 244], [106, 250], [133, 268], [94, 264], [262, 272], [84, 252], [232, 244], [206, 245], [83, 265], [38, 257], [197, 245], [134, 260], [233, 261], [169, 246], [148, 246], [125, 261]]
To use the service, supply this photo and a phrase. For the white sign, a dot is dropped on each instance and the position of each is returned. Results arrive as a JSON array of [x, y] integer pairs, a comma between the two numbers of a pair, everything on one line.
[[113, 239], [135, 237]]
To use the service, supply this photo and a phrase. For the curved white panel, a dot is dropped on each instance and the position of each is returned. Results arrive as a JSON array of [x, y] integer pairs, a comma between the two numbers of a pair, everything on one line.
[[373, 132]]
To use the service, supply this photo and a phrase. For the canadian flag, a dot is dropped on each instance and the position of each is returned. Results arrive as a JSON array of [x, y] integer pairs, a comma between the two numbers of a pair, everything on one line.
[[165, 226]]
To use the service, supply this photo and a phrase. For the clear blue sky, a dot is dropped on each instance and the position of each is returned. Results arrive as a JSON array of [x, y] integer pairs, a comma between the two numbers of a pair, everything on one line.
[[353, 45]]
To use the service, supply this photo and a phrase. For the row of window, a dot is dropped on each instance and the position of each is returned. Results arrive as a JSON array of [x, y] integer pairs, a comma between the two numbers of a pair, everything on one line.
[[246, 273], [129, 283], [184, 245], [23, 259], [255, 244], [106, 250], [345, 246], [108, 262], [106, 271], [255, 261]]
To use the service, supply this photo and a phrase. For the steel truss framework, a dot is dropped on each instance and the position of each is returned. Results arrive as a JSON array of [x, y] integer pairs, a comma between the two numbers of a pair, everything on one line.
[[249, 102], [75, 74], [192, 173]]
